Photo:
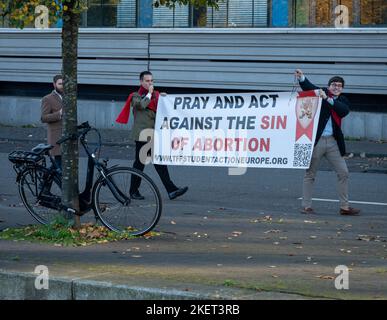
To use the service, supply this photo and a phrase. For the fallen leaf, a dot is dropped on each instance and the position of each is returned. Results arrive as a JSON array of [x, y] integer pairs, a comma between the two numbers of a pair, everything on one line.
[[272, 231], [94, 234], [325, 277]]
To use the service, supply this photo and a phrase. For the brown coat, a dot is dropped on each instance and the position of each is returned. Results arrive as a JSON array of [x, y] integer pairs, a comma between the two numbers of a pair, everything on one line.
[[51, 106]]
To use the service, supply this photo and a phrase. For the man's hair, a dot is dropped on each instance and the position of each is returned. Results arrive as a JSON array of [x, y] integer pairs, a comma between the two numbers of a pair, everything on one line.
[[336, 79], [145, 73], [57, 77]]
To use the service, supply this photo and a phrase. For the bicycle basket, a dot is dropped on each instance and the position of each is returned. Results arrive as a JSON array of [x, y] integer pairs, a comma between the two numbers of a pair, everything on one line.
[[25, 157]]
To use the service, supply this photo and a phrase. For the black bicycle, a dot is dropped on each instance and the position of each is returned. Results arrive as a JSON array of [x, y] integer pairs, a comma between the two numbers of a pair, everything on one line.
[[39, 183]]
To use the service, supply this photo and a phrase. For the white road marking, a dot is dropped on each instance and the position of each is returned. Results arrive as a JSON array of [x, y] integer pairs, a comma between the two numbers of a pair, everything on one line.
[[358, 202]]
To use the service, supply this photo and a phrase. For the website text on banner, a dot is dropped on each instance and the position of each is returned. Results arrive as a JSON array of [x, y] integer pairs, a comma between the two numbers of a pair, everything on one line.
[[260, 130]]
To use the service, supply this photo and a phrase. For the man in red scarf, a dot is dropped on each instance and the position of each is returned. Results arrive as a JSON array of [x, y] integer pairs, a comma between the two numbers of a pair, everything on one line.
[[329, 141], [144, 104]]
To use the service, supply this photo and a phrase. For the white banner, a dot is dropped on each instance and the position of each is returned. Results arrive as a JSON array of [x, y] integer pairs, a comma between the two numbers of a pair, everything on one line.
[[261, 130]]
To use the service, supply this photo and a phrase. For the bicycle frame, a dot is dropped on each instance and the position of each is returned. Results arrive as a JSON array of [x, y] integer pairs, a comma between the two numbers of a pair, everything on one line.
[[43, 184], [85, 196]]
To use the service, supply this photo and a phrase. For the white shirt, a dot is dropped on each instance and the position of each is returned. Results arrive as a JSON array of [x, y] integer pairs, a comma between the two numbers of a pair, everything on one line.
[[59, 95]]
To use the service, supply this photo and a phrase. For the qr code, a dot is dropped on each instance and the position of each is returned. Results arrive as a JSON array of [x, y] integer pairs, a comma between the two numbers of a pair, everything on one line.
[[302, 155]]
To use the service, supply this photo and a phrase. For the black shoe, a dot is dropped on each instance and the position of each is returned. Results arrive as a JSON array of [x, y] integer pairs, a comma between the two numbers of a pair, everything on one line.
[[137, 196], [179, 192]]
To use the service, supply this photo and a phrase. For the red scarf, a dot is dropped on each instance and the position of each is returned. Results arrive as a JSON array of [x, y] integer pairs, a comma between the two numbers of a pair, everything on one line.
[[123, 117], [334, 115]]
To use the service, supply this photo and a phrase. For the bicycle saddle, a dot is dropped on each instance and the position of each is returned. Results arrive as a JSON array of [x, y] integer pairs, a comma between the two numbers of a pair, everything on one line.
[[41, 148]]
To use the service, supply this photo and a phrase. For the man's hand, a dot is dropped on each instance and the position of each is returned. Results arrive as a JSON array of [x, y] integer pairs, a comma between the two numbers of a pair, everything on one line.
[[299, 74], [151, 89], [323, 94]]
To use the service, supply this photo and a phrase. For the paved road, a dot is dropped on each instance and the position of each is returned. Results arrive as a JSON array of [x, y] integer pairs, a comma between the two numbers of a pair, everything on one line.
[[245, 231]]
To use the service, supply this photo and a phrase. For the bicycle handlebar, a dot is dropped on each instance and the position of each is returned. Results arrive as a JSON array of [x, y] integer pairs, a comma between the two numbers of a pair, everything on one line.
[[85, 127]]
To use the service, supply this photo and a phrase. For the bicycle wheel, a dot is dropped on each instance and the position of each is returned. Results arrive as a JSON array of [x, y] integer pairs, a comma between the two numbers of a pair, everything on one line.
[[41, 193], [136, 218]]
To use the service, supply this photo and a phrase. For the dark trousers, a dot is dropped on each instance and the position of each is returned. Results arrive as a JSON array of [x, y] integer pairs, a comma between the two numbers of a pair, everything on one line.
[[58, 161], [162, 171]]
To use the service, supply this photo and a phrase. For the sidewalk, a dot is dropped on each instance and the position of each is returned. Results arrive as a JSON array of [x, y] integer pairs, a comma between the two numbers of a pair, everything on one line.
[[112, 137], [229, 237]]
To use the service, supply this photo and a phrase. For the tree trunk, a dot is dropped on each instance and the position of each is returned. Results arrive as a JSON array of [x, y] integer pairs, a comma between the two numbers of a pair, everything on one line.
[[70, 153]]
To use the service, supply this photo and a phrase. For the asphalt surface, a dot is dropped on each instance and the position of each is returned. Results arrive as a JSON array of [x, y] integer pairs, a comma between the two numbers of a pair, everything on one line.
[[234, 231]]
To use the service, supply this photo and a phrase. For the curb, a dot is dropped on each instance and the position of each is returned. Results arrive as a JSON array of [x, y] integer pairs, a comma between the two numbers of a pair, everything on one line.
[[21, 286]]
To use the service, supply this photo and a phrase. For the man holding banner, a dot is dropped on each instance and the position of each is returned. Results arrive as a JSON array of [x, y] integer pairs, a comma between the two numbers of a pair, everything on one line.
[[329, 142], [144, 103]]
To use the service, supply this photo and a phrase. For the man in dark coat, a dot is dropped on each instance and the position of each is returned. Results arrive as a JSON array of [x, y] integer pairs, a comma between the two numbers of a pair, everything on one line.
[[329, 141]]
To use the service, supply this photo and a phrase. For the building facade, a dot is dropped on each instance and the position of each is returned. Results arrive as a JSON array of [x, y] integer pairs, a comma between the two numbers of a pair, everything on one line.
[[246, 45]]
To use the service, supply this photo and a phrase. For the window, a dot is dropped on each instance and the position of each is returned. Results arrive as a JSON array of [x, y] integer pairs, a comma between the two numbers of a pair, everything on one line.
[[231, 14], [239, 14], [320, 13], [172, 18], [323, 13], [373, 12], [126, 14], [110, 13]]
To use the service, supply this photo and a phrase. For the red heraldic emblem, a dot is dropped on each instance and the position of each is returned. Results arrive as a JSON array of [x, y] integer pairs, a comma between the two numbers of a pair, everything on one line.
[[306, 108]]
